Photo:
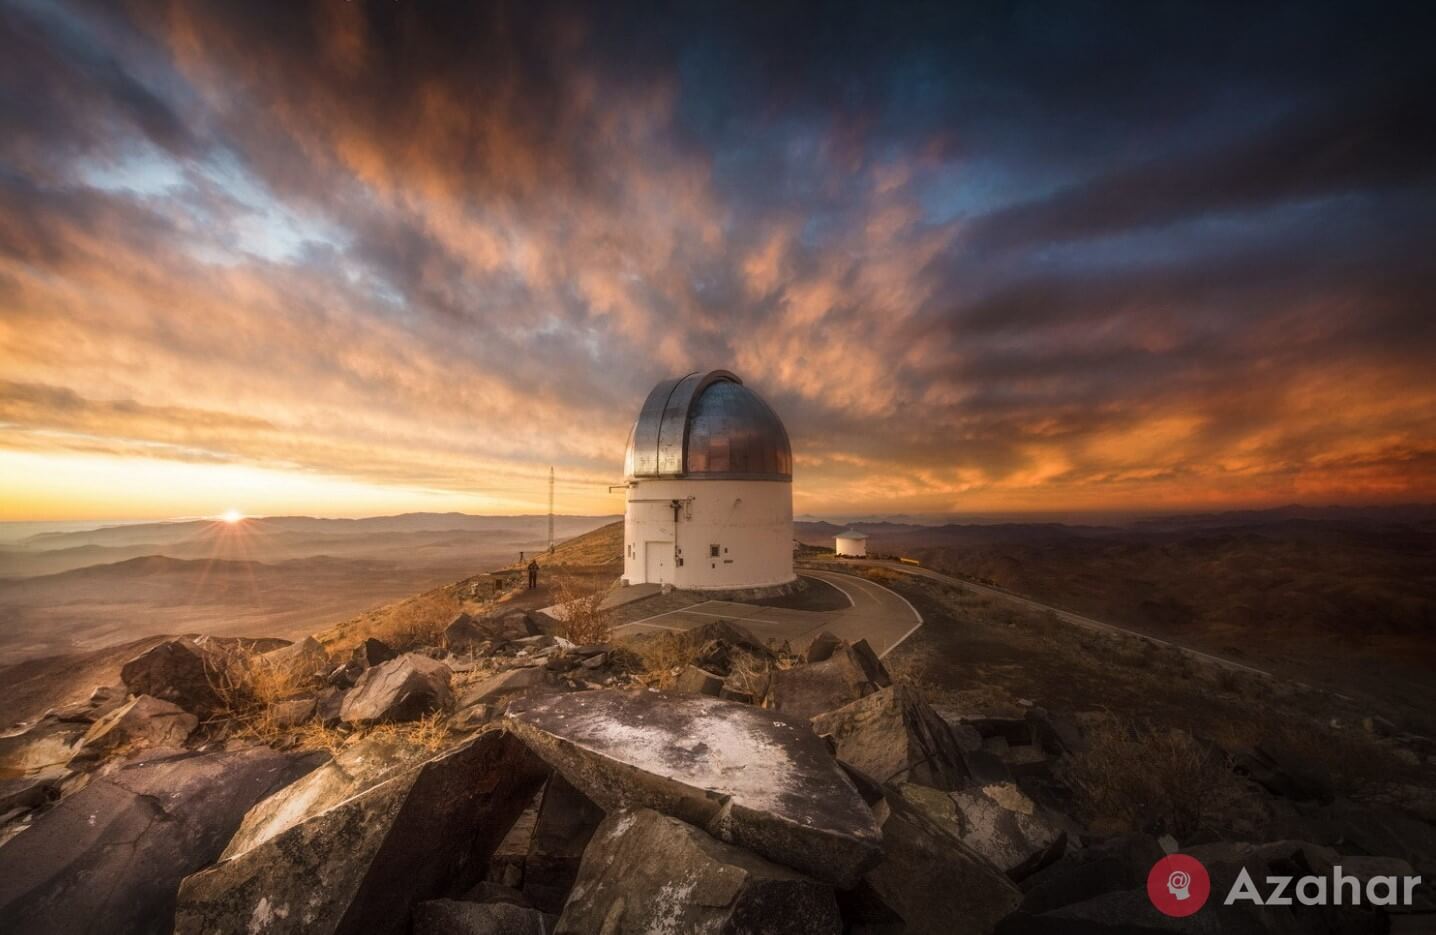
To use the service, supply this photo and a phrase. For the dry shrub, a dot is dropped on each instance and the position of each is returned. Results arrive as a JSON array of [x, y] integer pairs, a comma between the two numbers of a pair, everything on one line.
[[583, 622], [1155, 780], [249, 688], [662, 655], [882, 575], [663, 652], [313, 735], [418, 621]]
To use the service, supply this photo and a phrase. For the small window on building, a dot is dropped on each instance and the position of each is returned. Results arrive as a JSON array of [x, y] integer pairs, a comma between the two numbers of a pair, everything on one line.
[[713, 551]]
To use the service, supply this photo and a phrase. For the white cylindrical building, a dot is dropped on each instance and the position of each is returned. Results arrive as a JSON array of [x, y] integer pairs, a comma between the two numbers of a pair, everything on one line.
[[709, 473], [851, 544]]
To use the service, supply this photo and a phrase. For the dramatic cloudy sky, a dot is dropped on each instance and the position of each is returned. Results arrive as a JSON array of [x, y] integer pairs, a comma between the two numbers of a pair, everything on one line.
[[352, 258]]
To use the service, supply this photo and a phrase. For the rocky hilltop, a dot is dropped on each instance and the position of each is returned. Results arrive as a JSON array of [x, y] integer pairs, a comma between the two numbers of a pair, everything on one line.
[[508, 772]]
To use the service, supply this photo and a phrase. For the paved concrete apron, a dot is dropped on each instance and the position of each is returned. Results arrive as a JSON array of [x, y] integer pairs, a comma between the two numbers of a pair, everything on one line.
[[877, 614]]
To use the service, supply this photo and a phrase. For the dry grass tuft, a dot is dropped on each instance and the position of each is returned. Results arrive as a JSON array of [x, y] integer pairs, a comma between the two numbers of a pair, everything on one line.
[[1154, 780], [662, 655], [882, 575], [665, 651], [419, 621], [250, 689], [431, 732], [583, 622]]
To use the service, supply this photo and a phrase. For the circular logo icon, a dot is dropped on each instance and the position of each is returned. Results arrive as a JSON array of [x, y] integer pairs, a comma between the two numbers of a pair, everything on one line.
[[1178, 885]]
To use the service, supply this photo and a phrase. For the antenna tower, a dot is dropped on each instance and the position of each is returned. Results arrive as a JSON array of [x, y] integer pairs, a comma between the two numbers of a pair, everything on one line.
[[550, 507]]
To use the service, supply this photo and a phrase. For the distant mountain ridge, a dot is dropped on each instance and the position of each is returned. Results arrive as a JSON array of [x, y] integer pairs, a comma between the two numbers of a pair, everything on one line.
[[161, 532]]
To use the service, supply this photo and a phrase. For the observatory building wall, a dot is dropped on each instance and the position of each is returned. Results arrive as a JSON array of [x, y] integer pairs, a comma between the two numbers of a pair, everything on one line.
[[727, 533]]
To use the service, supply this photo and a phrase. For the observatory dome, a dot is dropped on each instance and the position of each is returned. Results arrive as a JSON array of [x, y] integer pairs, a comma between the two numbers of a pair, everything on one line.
[[708, 425], [708, 476]]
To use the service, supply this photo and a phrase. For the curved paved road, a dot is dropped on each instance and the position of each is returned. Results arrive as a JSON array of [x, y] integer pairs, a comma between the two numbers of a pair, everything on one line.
[[1065, 616], [877, 614]]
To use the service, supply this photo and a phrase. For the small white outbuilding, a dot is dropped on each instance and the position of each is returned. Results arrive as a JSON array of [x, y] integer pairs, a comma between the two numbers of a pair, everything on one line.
[[852, 544]]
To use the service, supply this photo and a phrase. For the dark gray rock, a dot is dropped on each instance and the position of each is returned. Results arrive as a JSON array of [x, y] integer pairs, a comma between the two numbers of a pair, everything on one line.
[[142, 722], [462, 634], [930, 879], [821, 648], [894, 736], [355, 846], [1118, 863], [698, 682], [1283, 775], [487, 891], [329, 705], [1014, 833], [467, 634], [644, 872], [45, 746], [734, 635], [179, 671], [849, 673], [371, 653], [24, 792], [292, 713], [110, 857], [754, 778], [456, 917], [300, 662], [402, 689], [566, 821], [498, 689], [344, 676]]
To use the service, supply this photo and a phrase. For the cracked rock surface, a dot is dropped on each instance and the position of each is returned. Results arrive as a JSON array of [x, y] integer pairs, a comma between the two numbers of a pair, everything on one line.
[[110, 857], [753, 777]]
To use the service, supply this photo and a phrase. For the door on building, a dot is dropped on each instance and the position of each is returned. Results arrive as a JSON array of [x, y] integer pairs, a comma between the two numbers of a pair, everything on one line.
[[658, 562]]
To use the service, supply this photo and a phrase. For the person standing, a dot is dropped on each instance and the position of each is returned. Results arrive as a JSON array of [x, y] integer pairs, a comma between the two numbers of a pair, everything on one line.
[[533, 574]]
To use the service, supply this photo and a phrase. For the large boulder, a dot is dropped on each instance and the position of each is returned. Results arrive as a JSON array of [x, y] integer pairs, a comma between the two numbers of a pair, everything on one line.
[[1002, 824], [466, 633], [1118, 863], [698, 681], [110, 856], [461, 917], [736, 636], [752, 777], [930, 879], [45, 746], [142, 722], [371, 653], [499, 688], [463, 634], [565, 822], [849, 673], [402, 689], [645, 872], [300, 662], [357, 844], [180, 671], [895, 736]]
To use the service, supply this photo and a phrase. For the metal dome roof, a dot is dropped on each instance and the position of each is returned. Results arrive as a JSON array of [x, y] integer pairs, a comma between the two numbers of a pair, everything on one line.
[[708, 425]]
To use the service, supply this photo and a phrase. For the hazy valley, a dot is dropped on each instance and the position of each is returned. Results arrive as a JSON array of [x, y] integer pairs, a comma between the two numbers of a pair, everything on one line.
[[277, 576]]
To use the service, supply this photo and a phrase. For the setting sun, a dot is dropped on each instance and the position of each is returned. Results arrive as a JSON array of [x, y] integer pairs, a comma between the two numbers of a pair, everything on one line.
[[231, 516]]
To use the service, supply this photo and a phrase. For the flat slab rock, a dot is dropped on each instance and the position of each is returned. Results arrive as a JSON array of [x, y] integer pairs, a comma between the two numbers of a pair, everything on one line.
[[752, 777], [110, 857], [354, 847], [647, 873]]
